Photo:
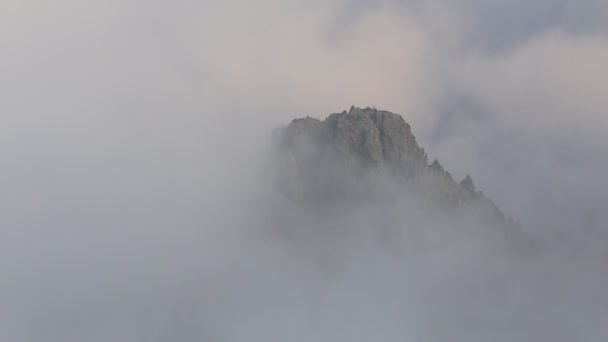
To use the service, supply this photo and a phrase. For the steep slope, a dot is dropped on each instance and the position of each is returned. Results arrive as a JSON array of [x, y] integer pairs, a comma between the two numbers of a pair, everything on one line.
[[368, 158]]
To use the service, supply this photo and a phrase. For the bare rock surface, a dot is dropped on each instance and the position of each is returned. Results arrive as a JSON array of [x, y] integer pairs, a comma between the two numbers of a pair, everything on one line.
[[369, 158]]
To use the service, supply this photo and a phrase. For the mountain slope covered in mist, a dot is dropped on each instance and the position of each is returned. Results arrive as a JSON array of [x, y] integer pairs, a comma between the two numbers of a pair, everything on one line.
[[369, 158]]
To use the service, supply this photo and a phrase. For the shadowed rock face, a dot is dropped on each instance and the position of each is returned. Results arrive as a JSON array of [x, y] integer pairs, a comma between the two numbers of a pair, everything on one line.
[[347, 154], [372, 138], [369, 158]]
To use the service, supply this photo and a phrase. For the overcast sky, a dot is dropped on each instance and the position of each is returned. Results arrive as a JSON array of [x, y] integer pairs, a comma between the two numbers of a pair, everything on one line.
[[511, 91], [125, 113]]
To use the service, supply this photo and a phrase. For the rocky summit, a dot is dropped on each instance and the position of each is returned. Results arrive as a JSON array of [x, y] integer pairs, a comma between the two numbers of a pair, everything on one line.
[[371, 156], [371, 137]]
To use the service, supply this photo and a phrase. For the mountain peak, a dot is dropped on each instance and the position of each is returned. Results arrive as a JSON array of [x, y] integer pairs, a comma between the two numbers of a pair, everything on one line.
[[362, 153], [369, 158], [370, 136]]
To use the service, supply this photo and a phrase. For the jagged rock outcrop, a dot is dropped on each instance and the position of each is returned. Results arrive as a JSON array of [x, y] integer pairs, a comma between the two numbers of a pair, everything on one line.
[[354, 149], [369, 155], [371, 137], [338, 157]]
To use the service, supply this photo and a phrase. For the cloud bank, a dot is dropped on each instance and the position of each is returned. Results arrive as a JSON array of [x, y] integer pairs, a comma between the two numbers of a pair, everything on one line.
[[131, 143]]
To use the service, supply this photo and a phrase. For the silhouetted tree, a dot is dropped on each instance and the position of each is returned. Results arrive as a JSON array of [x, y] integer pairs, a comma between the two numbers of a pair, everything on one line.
[[437, 166], [467, 183]]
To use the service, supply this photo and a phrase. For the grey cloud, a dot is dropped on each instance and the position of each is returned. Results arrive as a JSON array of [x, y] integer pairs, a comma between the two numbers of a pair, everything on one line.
[[540, 109], [131, 143]]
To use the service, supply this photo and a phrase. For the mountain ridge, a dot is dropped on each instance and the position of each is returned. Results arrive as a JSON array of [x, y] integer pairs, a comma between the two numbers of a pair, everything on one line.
[[372, 156]]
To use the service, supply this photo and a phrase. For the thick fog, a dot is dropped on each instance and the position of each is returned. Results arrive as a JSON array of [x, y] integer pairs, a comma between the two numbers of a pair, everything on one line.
[[137, 199]]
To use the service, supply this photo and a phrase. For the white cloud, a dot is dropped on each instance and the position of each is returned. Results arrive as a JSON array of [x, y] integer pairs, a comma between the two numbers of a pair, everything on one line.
[[541, 135], [128, 125]]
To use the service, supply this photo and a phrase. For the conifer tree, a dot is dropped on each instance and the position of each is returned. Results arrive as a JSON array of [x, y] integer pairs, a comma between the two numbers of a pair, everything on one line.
[[436, 165], [467, 183]]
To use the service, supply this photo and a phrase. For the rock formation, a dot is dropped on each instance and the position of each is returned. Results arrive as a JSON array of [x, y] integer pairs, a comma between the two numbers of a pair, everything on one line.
[[370, 158]]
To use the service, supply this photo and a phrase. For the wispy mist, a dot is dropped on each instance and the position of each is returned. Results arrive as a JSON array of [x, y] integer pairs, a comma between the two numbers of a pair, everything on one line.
[[136, 202]]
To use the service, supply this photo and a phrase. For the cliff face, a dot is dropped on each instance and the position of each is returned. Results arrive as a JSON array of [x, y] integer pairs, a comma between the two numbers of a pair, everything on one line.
[[361, 148], [346, 155], [371, 156], [370, 137]]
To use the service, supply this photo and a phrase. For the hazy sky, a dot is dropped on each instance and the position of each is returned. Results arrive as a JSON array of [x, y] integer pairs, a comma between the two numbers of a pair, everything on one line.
[[120, 120], [511, 91]]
